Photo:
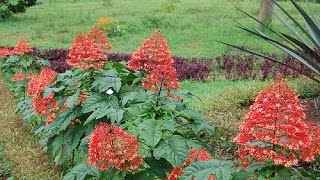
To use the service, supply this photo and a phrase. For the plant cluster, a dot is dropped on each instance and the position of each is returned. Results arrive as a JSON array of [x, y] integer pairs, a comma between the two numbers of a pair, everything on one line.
[[198, 69], [252, 67], [120, 123]]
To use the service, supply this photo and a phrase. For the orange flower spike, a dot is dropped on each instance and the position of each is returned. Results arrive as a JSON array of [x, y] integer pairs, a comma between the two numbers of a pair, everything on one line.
[[154, 51], [85, 53], [18, 77], [154, 58], [22, 48], [274, 128], [98, 37], [110, 146], [5, 52]]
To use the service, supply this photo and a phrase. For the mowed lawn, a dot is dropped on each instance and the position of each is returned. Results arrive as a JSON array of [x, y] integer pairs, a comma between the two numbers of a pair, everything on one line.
[[191, 27]]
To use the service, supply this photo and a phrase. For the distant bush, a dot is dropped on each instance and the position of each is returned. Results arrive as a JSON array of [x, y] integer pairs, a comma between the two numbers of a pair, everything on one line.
[[10, 7]]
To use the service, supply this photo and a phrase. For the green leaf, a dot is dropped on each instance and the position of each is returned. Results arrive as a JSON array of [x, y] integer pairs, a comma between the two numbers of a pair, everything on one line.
[[26, 62], [116, 115], [198, 126], [201, 170], [73, 136], [174, 150], [98, 101], [242, 175], [49, 90], [71, 100], [150, 131], [60, 150], [105, 83], [82, 171], [63, 120]]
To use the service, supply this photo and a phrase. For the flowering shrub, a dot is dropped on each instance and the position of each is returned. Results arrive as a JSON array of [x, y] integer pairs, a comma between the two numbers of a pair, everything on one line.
[[100, 105], [274, 129]]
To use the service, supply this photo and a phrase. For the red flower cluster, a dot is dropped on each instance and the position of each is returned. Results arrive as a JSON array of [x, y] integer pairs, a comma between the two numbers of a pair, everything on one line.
[[110, 146], [98, 37], [18, 77], [39, 82], [22, 48], [87, 50], [47, 106], [195, 154], [5, 52], [175, 173], [274, 128], [154, 58], [44, 106]]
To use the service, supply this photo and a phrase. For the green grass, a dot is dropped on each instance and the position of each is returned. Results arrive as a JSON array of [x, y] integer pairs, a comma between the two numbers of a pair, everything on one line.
[[191, 29]]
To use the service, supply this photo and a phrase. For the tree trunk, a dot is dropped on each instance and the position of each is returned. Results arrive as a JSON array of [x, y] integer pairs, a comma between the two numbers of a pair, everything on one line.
[[266, 8]]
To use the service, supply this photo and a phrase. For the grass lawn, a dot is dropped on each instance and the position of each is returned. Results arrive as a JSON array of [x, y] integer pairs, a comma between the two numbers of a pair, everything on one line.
[[190, 29]]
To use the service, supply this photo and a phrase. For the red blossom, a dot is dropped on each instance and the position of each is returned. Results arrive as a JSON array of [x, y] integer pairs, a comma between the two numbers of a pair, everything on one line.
[[44, 106], [274, 128], [22, 48], [197, 154], [5, 52], [175, 173], [18, 77], [51, 117], [39, 82], [154, 58], [110, 146], [98, 37], [85, 53]]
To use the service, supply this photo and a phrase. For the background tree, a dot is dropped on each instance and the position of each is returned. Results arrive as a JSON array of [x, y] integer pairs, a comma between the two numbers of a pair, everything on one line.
[[265, 13], [9, 7]]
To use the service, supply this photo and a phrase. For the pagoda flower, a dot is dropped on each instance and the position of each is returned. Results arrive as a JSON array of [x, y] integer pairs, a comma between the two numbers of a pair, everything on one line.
[[154, 58], [274, 129], [86, 54], [5, 52], [22, 48], [110, 146]]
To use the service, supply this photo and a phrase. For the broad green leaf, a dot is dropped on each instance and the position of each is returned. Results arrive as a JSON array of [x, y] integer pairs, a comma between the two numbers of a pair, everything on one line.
[[63, 120], [110, 73], [201, 170], [98, 101], [49, 90], [174, 150], [150, 131], [105, 83], [116, 115], [73, 136], [82, 171], [192, 115], [60, 150], [198, 126], [71, 100]]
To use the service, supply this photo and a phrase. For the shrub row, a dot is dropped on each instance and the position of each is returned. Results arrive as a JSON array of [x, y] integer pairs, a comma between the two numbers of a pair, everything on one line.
[[228, 66]]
